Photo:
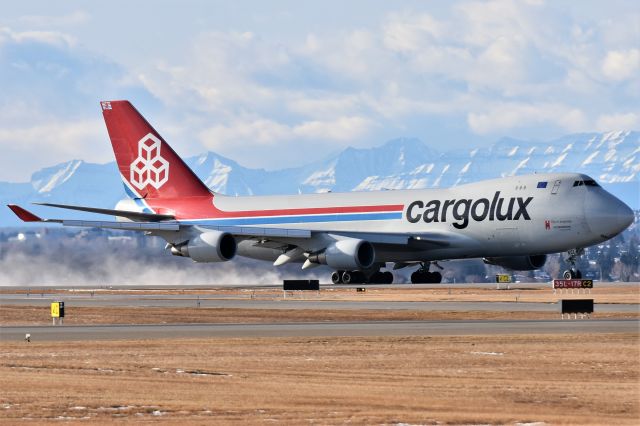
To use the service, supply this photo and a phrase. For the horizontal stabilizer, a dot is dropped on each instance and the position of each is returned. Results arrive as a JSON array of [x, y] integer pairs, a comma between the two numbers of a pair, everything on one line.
[[135, 216], [24, 215]]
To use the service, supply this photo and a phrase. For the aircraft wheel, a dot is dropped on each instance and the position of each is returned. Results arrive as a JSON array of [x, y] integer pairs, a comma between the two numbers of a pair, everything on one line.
[[353, 277], [571, 274], [377, 278], [387, 278], [418, 277], [336, 277], [357, 277], [436, 277]]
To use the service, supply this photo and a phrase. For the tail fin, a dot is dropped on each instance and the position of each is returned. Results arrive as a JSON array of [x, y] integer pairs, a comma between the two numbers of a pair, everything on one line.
[[148, 165]]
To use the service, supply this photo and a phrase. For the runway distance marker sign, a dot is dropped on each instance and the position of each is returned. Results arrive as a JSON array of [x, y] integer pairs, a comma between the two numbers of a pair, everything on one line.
[[572, 284]]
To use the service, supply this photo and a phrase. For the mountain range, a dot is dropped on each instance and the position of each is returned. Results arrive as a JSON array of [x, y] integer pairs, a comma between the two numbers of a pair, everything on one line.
[[612, 158]]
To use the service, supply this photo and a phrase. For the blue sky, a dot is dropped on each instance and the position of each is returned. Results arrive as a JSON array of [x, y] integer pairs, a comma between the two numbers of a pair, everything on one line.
[[272, 84]]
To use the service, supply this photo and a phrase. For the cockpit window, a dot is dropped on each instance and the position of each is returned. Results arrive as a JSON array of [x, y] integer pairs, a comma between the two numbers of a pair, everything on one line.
[[588, 182]]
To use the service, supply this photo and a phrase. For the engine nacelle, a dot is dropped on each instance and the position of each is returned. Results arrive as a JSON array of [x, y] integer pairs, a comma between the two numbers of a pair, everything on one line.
[[210, 246], [348, 254], [518, 263]]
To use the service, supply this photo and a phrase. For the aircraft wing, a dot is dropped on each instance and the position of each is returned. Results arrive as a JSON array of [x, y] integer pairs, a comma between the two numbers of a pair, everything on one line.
[[146, 222], [137, 216], [167, 225]]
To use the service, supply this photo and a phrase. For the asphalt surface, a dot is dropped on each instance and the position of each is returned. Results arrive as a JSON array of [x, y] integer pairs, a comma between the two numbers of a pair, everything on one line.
[[36, 288], [232, 301], [348, 329]]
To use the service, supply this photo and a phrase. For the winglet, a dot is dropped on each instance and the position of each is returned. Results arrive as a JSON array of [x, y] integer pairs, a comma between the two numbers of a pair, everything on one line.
[[24, 215]]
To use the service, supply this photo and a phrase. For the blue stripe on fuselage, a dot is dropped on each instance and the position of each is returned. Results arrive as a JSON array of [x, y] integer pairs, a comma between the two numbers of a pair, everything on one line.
[[295, 219], [136, 199]]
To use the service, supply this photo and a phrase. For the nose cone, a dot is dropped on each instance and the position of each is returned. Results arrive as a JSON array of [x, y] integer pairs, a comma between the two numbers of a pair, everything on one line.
[[606, 215]]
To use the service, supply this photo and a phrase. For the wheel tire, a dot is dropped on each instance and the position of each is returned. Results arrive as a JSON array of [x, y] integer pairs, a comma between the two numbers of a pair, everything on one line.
[[358, 277], [419, 277], [436, 277], [387, 278], [377, 278], [336, 277], [347, 278], [568, 274], [579, 274]]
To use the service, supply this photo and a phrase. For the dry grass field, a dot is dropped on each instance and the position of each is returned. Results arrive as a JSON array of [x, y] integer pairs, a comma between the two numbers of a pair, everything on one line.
[[587, 379], [557, 379], [40, 315], [602, 293]]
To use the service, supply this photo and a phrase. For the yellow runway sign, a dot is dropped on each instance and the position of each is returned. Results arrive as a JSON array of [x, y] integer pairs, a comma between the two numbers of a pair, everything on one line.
[[503, 278], [57, 309]]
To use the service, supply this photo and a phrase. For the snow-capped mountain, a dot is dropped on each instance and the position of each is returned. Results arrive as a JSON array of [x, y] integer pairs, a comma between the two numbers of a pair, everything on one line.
[[612, 158]]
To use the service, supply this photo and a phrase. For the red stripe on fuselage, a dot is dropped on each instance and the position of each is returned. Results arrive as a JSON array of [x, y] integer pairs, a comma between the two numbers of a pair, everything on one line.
[[203, 208]]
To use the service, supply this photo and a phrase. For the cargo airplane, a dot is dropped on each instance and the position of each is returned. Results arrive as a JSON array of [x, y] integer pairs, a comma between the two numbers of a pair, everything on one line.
[[513, 222]]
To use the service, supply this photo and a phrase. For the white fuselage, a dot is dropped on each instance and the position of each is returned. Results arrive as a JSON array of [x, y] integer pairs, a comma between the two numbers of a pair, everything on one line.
[[521, 215]]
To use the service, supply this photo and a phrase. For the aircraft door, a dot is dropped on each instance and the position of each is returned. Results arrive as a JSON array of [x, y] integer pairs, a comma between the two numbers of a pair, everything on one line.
[[556, 186]]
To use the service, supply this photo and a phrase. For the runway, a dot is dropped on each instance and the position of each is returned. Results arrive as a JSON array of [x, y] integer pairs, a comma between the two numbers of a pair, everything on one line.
[[233, 302], [372, 328]]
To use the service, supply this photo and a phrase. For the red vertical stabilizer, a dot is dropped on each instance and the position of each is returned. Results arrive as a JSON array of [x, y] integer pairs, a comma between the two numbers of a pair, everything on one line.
[[148, 165]]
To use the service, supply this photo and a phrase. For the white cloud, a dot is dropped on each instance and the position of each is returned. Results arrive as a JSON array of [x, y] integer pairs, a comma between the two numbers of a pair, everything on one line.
[[323, 105], [258, 131], [247, 88], [621, 64], [267, 132], [62, 137], [49, 106], [505, 65], [410, 33], [77, 17], [46, 143], [341, 129], [622, 121], [53, 38], [505, 116]]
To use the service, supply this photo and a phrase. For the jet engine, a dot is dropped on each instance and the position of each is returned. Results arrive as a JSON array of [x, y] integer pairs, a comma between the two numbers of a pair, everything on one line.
[[348, 254], [211, 246], [518, 263]]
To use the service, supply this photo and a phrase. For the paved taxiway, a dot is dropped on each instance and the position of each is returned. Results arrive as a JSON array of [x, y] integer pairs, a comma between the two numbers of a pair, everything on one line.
[[373, 328]]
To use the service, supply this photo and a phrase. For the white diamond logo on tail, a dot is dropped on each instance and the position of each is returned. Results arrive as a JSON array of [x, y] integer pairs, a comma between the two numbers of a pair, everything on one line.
[[149, 168]]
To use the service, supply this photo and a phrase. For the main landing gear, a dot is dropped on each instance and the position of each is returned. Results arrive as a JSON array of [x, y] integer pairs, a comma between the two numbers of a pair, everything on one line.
[[573, 272], [423, 276], [359, 277]]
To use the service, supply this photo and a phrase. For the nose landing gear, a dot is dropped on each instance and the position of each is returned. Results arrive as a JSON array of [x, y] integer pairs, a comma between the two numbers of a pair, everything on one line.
[[573, 272]]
